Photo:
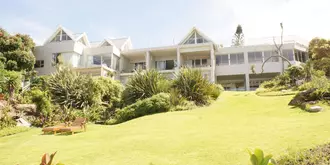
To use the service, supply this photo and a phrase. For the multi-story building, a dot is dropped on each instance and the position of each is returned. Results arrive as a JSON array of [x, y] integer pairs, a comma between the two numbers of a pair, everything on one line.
[[229, 66]]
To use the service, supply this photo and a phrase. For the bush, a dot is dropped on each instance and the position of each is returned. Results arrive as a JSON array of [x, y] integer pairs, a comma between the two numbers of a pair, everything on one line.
[[215, 90], [318, 155], [5, 120], [109, 91], [70, 89], [144, 84], [10, 82], [280, 82], [295, 73], [192, 85], [12, 131], [155, 104]]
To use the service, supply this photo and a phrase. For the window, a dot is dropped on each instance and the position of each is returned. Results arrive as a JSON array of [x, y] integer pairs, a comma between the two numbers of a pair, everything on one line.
[[288, 54], [140, 65], [61, 36], [165, 65], [196, 38], [204, 62], [97, 60], [115, 62], [255, 57], [222, 60], [268, 54], [236, 58], [56, 58], [39, 64]]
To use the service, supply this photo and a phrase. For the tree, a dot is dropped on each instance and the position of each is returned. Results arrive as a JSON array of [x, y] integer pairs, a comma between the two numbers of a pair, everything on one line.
[[278, 52], [319, 52], [238, 39], [16, 51]]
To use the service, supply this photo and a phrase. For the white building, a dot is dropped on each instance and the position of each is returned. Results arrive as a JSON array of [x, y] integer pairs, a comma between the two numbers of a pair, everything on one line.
[[230, 66]]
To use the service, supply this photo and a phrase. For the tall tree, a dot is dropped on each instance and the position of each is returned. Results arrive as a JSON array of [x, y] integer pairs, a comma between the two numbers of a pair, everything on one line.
[[16, 51], [238, 39]]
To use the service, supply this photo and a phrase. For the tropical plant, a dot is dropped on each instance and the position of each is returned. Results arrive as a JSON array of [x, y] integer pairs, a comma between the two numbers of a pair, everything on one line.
[[193, 86], [10, 82], [144, 84], [258, 158], [48, 160], [296, 73], [5, 119], [68, 88]]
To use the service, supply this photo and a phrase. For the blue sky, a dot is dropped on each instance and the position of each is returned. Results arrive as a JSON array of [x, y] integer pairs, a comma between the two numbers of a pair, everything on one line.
[[160, 22]]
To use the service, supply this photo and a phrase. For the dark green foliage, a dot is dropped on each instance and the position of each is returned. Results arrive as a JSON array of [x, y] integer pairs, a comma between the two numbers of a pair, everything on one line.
[[5, 119], [215, 90], [323, 64], [68, 88], [10, 82], [280, 82], [144, 84], [319, 155], [191, 84], [39, 82], [42, 101], [12, 130], [16, 51], [295, 73], [258, 158], [110, 91], [155, 104]]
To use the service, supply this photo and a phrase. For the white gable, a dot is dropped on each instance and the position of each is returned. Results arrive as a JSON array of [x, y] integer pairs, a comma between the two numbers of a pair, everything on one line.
[[195, 36]]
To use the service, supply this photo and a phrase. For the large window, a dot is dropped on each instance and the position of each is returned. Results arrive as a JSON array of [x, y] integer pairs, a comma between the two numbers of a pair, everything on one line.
[[288, 54], [115, 62], [268, 54], [165, 65], [56, 58], [237, 58], [61, 36], [199, 63], [140, 65], [196, 38], [255, 57], [39, 64], [222, 59]]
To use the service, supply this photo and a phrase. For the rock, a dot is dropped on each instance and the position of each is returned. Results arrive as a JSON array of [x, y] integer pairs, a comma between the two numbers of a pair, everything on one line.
[[22, 122], [26, 107], [315, 109], [302, 97]]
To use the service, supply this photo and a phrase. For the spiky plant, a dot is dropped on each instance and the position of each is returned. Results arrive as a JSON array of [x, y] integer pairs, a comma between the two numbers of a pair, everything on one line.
[[144, 84], [192, 85]]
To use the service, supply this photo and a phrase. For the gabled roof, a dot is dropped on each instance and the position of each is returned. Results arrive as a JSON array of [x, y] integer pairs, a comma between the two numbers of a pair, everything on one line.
[[192, 32], [74, 36], [106, 41], [120, 42]]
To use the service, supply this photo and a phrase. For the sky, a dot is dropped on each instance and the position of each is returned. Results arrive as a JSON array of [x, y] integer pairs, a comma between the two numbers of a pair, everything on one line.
[[152, 23]]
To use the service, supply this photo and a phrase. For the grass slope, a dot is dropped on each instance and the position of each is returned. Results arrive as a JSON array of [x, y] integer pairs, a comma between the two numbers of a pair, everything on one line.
[[219, 134]]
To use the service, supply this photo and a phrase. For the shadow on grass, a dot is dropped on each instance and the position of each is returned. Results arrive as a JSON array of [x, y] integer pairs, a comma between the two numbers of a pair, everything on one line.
[[60, 133]]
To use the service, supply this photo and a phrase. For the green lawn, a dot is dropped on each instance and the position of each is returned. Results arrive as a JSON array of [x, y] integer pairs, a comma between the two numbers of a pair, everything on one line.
[[219, 134]]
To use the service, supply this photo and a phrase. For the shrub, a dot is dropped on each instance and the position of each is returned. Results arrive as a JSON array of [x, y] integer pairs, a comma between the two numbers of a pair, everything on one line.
[[10, 82], [12, 130], [144, 84], [318, 155], [70, 89], [109, 91], [215, 90], [192, 85], [278, 83], [295, 73], [155, 104], [5, 119]]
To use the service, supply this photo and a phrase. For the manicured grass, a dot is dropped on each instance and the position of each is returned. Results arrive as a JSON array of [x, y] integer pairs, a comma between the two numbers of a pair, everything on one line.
[[219, 134], [12, 131]]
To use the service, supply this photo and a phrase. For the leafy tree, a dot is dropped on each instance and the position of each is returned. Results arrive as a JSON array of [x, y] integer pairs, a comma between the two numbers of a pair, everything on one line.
[[10, 81], [238, 39], [319, 52], [16, 51]]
